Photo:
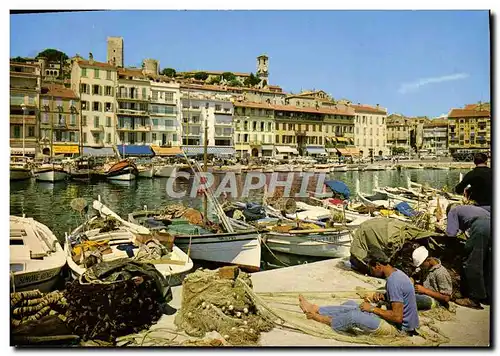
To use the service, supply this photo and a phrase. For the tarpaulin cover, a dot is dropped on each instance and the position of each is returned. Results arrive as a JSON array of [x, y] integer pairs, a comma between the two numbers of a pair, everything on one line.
[[339, 187], [405, 209], [384, 234]]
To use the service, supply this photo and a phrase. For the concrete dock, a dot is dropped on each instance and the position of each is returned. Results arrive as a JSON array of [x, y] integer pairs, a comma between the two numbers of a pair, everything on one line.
[[468, 328]]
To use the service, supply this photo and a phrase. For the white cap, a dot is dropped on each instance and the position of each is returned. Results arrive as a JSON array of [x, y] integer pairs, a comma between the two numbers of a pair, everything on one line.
[[419, 256]]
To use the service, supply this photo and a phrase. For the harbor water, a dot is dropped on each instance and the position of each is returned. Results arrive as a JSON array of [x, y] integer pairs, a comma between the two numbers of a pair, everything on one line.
[[49, 203]]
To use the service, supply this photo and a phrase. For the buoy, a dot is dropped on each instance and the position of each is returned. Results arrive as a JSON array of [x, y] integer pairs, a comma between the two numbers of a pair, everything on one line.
[[245, 322], [231, 307], [238, 314], [245, 310]]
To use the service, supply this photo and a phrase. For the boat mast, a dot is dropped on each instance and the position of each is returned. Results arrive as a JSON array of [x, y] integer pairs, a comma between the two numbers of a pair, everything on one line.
[[205, 144], [23, 107]]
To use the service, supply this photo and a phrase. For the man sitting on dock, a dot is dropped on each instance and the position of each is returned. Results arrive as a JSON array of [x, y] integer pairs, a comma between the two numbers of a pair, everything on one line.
[[480, 181], [366, 317], [437, 287]]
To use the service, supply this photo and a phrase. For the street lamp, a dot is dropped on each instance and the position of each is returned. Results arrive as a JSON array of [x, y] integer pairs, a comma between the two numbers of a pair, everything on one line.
[[23, 107]]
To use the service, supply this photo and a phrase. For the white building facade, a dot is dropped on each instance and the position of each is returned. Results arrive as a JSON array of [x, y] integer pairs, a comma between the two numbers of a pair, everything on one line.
[[165, 113], [370, 130], [95, 84]]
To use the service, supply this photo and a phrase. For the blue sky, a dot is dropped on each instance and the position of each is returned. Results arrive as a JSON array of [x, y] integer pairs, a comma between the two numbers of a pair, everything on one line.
[[412, 62]]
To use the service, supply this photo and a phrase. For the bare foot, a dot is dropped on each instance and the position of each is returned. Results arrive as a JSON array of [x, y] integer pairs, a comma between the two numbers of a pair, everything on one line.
[[306, 306]]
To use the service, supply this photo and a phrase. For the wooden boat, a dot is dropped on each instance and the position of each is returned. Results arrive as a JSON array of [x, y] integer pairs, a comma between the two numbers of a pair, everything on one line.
[[20, 169], [122, 170], [51, 172], [80, 169], [321, 168], [332, 243], [36, 256], [339, 168], [297, 168], [122, 237], [241, 248], [375, 200], [283, 168]]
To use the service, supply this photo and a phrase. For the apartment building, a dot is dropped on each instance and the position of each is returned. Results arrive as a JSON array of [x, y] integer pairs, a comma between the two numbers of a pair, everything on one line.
[[200, 108], [133, 97], [59, 121], [398, 134], [370, 130], [25, 87], [435, 136], [164, 111], [95, 84], [469, 129], [339, 131], [253, 129]]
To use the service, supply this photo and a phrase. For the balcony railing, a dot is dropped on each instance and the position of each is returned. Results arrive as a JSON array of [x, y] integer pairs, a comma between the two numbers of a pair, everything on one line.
[[28, 101], [135, 96], [99, 128], [121, 111]]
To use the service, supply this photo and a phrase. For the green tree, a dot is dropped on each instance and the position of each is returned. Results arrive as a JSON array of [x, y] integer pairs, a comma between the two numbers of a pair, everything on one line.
[[235, 83], [52, 55], [228, 76], [251, 80], [201, 76], [19, 59], [215, 80], [169, 72]]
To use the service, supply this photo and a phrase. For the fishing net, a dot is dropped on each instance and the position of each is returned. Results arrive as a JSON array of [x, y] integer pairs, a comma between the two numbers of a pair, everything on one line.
[[116, 298], [33, 305], [218, 301]]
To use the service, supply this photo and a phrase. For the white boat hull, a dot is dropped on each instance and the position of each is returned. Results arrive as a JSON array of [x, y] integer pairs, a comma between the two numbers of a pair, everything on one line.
[[18, 174], [165, 171], [51, 176], [38, 261], [340, 169], [334, 245], [123, 177], [147, 173], [243, 250]]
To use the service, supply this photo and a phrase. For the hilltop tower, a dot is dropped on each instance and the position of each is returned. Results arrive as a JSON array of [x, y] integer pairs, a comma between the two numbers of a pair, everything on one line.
[[115, 51], [151, 66], [262, 69]]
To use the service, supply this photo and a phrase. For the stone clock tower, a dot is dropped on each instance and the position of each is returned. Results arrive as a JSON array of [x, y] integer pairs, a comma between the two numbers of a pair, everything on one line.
[[262, 69]]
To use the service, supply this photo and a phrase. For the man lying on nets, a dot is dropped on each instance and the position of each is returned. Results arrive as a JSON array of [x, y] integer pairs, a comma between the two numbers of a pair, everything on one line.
[[437, 287], [402, 314]]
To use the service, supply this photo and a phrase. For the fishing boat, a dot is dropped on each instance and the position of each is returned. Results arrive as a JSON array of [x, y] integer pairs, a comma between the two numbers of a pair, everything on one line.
[[375, 200], [145, 171], [51, 172], [283, 168], [20, 169], [339, 168], [81, 169], [117, 239], [240, 248], [322, 168], [122, 170], [374, 167], [36, 256]]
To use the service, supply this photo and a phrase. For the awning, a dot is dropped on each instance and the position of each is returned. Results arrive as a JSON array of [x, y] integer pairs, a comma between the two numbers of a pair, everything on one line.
[[211, 150], [63, 149], [316, 150], [166, 151], [19, 151], [99, 152], [267, 147], [344, 151], [354, 151], [331, 150], [342, 139], [286, 149], [134, 150]]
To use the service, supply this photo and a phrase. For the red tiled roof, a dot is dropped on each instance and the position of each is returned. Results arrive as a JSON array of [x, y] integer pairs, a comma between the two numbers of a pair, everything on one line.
[[436, 123], [368, 109], [84, 63], [58, 91], [457, 113], [238, 74], [131, 72]]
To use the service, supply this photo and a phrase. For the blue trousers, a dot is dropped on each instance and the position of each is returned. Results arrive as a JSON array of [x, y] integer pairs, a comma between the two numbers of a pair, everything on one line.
[[348, 316]]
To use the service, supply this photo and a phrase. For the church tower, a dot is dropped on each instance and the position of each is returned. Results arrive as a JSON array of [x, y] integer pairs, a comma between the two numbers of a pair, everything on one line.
[[262, 69], [115, 51]]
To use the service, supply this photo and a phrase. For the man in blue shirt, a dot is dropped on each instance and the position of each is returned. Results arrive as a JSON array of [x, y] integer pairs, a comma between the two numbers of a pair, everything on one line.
[[368, 318], [477, 268]]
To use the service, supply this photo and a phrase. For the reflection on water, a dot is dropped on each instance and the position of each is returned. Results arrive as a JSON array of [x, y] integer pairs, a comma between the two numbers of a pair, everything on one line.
[[49, 203]]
